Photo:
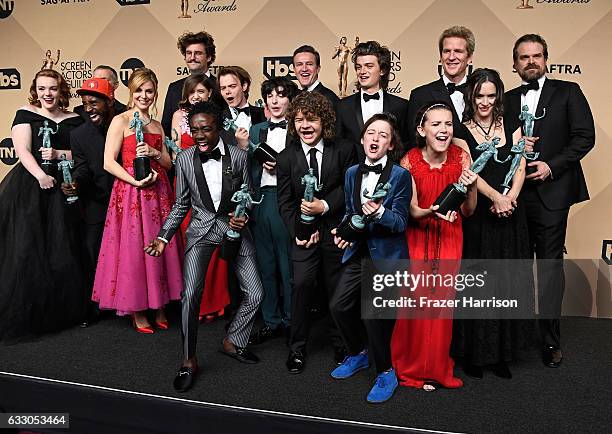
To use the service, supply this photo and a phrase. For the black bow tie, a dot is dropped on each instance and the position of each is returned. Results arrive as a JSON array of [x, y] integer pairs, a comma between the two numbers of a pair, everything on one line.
[[281, 124], [531, 85], [215, 154], [452, 87], [364, 168], [367, 97], [246, 110]]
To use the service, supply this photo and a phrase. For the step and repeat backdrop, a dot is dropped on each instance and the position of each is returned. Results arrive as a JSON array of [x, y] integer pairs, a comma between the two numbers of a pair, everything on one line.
[[260, 35]]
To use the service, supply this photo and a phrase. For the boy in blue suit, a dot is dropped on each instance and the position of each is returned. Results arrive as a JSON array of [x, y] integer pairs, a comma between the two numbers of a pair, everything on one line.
[[384, 238]]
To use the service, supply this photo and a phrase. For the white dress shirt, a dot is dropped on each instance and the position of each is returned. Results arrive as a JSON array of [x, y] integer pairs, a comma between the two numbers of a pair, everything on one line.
[[532, 97], [276, 139], [372, 107], [457, 97], [241, 119], [369, 181], [213, 174], [319, 156], [313, 85]]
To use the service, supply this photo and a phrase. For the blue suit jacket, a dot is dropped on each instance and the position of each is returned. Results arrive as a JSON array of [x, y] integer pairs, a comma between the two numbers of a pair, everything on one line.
[[385, 237]]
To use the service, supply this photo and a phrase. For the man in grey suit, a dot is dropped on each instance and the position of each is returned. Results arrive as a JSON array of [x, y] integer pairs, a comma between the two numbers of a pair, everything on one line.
[[207, 175]]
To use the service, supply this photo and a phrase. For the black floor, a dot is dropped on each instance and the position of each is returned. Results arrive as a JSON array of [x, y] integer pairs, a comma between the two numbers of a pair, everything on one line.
[[573, 398]]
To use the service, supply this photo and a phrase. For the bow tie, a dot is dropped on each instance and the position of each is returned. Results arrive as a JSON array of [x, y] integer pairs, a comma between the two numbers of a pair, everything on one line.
[[452, 87], [246, 110], [367, 97], [364, 168], [531, 85], [281, 124], [215, 154]]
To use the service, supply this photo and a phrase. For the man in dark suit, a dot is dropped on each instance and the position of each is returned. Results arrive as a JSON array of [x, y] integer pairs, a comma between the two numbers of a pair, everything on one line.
[[306, 67], [108, 73], [456, 46], [372, 63], [198, 171], [563, 135], [311, 120], [91, 182], [199, 52]]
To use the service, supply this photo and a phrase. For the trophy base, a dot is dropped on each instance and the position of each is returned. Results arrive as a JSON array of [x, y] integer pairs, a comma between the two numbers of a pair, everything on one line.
[[72, 199], [305, 228], [230, 247], [264, 153], [349, 231], [450, 199], [142, 168]]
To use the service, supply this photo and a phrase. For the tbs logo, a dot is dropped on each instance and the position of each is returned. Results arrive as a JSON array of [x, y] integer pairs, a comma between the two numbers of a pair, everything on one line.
[[6, 8], [128, 67], [606, 251], [133, 2], [10, 79], [280, 66]]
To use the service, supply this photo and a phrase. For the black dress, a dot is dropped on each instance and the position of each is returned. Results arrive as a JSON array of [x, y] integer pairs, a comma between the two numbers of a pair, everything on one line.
[[42, 286], [482, 342]]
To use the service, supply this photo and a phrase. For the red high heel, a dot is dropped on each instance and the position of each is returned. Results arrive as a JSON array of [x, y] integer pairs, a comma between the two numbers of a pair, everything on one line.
[[147, 330], [162, 325]]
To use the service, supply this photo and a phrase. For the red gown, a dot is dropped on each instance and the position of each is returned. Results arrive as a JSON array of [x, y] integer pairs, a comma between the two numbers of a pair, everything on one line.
[[216, 296], [420, 347]]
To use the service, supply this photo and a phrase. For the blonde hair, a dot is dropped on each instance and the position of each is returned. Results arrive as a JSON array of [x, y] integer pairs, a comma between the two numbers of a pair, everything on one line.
[[458, 32], [137, 79]]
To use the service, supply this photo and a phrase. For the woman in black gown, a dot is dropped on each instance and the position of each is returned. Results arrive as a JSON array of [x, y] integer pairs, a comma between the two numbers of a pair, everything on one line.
[[497, 229], [42, 287]]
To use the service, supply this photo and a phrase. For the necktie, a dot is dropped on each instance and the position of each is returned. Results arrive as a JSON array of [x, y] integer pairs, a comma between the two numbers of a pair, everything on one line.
[[215, 154], [364, 168], [246, 110], [531, 85], [452, 87], [313, 161], [367, 97], [281, 124]]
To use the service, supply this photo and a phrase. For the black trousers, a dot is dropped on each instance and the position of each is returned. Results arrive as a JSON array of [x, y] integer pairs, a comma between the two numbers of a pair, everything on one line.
[[345, 307], [547, 230]]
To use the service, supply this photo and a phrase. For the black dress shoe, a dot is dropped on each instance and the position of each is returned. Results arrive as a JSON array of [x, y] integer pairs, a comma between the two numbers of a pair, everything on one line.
[[265, 333], [501, 370], [340, 354], [472, 371], [296, 362], [552, 357], [242, 354], [184, 379]]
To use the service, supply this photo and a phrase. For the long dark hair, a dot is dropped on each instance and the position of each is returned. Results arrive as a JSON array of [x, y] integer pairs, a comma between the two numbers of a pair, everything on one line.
[[473, 85]]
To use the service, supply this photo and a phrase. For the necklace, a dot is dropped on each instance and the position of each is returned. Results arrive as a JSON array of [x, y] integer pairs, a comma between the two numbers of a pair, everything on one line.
[[486, 133]]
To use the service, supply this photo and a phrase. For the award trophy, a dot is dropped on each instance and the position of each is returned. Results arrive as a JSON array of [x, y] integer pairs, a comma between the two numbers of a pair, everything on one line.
[[230, 246], [46, 132], [65, 165], [172, 146], [230, 124], [528, 121], [519, 152], [142, 165], [455, 194], [306, 224], [354, 226]]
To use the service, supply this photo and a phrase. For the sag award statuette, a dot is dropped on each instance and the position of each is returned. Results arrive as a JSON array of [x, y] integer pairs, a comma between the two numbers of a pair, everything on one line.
[[142, 165], [46, 132], [230, 245], [65, 165], [528, 121], [354, 226], [172, 146], [455, 194], [518, 151], [306, 224]]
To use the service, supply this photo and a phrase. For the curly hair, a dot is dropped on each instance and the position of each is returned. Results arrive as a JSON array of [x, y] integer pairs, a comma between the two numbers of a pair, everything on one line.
[[382, 53], [139, 77], [395, 153], [313, 105], [282, 85], [473, 85], [207, 108], [203, 38], [64, 89]]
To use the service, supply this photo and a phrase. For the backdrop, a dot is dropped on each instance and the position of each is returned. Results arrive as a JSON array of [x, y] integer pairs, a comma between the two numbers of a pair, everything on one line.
[[260, 35]]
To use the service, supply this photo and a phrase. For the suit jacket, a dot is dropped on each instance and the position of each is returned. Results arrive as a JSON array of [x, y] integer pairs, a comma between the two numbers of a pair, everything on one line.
[[425, 94], [292, 165], [385, 237], [350, 120], [329, 94], [94, 183], [118, 106], [567, 133], [192, 193], [257, 116]]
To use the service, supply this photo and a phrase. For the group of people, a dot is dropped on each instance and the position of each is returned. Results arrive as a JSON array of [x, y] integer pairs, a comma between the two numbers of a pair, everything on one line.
[[299, 167]]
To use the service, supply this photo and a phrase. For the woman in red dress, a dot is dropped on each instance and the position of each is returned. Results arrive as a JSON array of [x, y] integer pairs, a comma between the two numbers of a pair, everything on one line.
[[198, 87], [420, 347]]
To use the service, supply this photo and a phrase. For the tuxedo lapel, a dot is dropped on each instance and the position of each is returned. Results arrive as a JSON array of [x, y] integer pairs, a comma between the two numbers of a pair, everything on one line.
[[547, 92], [386, 102], [440, 92], [358, 114], [226, 182], [357, 191], [263, 133], [327, 161], [201, 182]]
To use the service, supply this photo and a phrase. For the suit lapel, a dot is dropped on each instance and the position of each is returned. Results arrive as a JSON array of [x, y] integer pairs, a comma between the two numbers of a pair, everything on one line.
[[358, 114], [357, 191], [226, 182], [547, 92], [201, 181], [263, 133], [386, 102], [326, 161]]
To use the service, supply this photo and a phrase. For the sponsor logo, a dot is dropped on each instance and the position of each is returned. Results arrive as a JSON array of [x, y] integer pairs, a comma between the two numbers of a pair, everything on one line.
[[75, 73], [133, 2], [212, 6], [60, 2], [10, 79], [524, 4], [279, 66], [556, 68], [606, 251], [7, 152], [396, 66], [127, 67], [6, 8]]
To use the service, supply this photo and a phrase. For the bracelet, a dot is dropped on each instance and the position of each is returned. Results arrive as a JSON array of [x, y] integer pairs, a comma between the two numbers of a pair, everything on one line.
[[158, 157]]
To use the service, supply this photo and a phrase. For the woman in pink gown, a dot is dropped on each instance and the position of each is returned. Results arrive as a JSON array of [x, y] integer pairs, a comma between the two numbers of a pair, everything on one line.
[[127, 280]]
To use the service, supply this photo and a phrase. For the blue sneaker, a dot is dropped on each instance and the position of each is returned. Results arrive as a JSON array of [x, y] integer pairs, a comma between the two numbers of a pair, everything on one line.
[[383, 389], [350, 366]]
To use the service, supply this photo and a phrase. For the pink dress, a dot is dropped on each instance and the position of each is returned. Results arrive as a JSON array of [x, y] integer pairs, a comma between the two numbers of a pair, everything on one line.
[[127, 279]]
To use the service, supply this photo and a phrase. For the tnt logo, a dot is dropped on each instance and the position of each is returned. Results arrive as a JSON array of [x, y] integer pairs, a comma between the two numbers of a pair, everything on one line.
[[133, 2], [6, 8], [128, 67], [7, 152], [606, 251], [10, 79], [281, 66]]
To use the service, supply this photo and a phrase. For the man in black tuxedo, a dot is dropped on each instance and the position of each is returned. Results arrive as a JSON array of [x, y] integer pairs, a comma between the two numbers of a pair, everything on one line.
[[456, 46], [91, 182], [563, 136], [306, 66], [199, 52], [109, 74], [311, 120], [372, 65]]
